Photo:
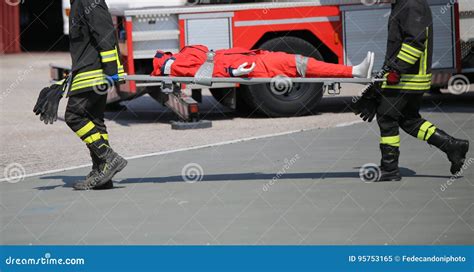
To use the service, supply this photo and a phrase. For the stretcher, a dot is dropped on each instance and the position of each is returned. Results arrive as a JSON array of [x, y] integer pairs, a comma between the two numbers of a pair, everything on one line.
[[188, 110]]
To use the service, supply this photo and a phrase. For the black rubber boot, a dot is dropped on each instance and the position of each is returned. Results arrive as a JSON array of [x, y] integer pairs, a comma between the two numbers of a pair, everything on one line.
[[389, 164], [96, 162], [96, 165], [112, 164], [455, 149]]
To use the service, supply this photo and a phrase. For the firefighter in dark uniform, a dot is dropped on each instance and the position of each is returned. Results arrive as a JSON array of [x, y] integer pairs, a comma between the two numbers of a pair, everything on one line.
[[96, 67], [409, 59]]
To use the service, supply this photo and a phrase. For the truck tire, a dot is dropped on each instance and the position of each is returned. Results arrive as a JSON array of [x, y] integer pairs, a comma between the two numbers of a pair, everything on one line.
[[298, 99]]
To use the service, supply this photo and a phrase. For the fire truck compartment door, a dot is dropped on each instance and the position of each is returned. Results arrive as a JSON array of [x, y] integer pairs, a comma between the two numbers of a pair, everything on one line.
[[212, 30], [365, 29]]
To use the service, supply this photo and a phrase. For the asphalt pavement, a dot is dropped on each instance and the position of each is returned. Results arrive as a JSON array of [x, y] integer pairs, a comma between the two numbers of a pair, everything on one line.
[[300, 188]]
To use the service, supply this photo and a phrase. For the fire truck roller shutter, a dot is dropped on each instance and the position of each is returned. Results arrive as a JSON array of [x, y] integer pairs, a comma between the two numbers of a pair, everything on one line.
[[285, 99]]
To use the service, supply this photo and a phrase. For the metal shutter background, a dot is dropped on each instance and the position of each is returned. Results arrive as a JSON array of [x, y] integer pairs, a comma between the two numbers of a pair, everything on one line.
[[365, 29], [215, 33]]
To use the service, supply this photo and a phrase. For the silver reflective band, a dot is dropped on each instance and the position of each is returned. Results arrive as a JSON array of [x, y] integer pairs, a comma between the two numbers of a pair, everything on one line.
[[301, 65], [167, 69], [204, 74]]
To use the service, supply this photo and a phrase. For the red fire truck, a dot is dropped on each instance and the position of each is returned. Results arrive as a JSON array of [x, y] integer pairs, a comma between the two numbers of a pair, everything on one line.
[[330, 30]]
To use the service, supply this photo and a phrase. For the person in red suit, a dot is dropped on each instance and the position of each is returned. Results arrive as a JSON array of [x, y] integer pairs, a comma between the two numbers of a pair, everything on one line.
[[239, 62]]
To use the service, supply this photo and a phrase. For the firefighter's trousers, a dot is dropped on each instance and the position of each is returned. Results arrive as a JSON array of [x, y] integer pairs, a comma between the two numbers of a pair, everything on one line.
[[401, 110], [85, 116]]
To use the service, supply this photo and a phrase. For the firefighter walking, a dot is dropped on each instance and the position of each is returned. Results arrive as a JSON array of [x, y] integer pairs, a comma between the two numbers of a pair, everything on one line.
[[409, 59], [95, 68]]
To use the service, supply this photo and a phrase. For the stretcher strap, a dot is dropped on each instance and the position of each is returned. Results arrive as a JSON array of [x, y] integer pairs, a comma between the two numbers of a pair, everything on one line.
[[204, 74]]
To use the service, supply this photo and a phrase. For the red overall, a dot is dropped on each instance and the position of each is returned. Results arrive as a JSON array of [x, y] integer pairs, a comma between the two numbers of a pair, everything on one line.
[[268, 64]]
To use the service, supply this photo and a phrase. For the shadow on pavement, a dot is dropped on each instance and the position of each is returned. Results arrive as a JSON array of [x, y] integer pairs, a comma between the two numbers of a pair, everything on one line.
[[70, 180], [68, 183]]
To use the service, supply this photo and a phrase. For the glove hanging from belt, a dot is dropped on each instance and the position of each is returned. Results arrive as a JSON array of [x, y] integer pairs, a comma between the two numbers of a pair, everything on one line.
[[366, 105], [48, 100]]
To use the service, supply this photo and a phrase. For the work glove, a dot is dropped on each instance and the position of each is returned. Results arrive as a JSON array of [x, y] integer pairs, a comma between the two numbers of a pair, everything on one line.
[[41, 101], [113, 78], [242, 70], [51, 111], [393, 77], [48, 103], [366, 105]]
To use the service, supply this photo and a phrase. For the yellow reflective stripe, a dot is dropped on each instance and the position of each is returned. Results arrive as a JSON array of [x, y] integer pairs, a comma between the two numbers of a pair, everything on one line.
[[407, 58], [89, 73], [93, 82], [105, 136], [421, 86], [407, 87], [93, 138], [416, 78], [109, 56], [392, 141], [109, 59], [430, 132], [411, 82], [94, 74], [412, 50], [427, 129], [97, 77], [425, 55], [110, 52], [85, 129], [89, 83]]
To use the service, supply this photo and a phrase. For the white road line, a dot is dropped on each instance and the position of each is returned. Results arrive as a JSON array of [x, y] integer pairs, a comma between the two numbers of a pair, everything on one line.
[[184, 149], [348, 124]]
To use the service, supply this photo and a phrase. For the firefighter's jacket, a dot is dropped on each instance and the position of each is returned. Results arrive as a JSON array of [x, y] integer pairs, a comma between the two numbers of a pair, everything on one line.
[[410, 45], [268, 64], [93, 46]]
